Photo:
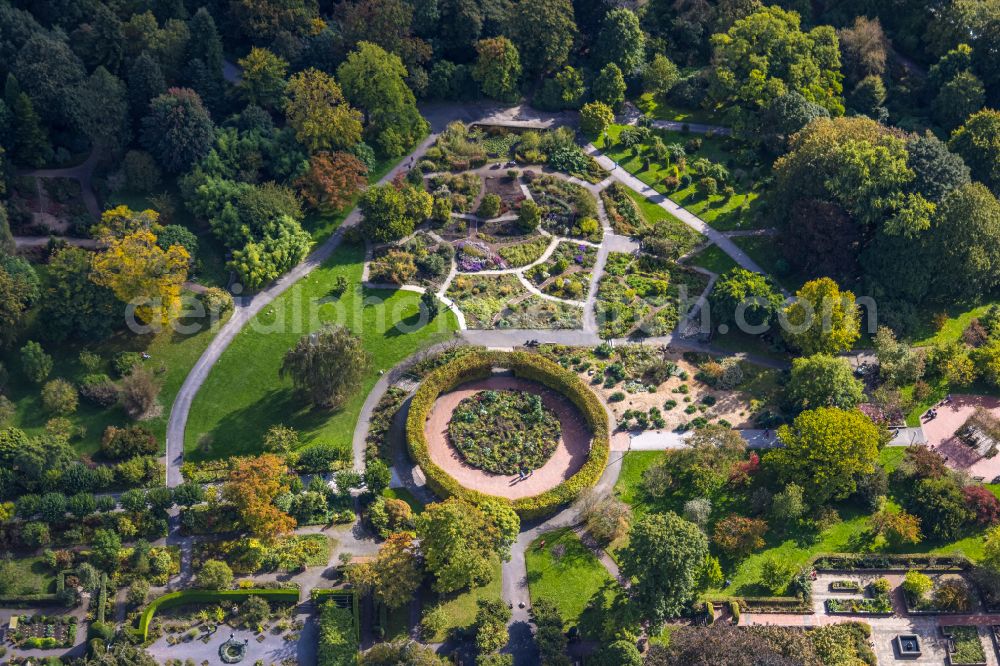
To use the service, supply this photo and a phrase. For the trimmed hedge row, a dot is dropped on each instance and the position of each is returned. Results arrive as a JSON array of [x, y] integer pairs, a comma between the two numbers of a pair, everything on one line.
[[479, 365], [172, 599]]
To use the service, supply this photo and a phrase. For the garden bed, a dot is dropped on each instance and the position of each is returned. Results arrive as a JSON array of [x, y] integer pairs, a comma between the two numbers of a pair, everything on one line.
[[44, 632], [250, 556], [531, 367], [845, 586], [420, 260], [501, 301], [965, 647], [644, 296], [566, 273], [516, 255], [570, 210], [879, 605], [504, 432]]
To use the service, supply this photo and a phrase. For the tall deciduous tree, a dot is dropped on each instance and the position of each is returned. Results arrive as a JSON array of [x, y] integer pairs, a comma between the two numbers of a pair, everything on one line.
[[767, 54], [822, 318], [252, 486], [395, 574], [327, 366], [530, 19], [374, 81], [101, 110], [621, 41], [824, 381], [316, 109], [263, 79], [459, 544], [665, 556], [390, 212], [178, 130], [978, 142], [73, 304], [498, 68], [142, 273], [332, 180], [825, 451]]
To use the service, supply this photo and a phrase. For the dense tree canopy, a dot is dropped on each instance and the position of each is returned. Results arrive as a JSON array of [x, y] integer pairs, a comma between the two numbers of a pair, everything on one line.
[[825, 450]]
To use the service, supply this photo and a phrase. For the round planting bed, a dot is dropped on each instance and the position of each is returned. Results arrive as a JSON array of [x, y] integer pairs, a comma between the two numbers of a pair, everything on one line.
[[561, 390]]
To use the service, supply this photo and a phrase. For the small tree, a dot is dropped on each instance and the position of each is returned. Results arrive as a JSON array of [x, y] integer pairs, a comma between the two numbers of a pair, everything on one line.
[[698, 511], [607, 518], [280, 439], [917, 584], [377, 476], [489, 207], [430, 304], [254, 612], [138, 392], [529, 216], [595, 118], [491, 625], [214, 575], [738, 536], [35, 363], [327, 366], [776, 573], [59, 397], [788, 505], [138, 590]]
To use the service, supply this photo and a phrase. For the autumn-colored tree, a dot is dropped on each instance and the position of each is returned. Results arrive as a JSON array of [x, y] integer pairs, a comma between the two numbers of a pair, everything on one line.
[[316, 109], [140, 272], [332, 180], [898, 527], [739, 536], [822, 319], [983, 503], [252, 486], [395, 574], [120, 221], [263, 78]]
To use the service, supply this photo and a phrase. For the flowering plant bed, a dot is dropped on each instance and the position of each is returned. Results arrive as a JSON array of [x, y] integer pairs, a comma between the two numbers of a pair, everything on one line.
[[44, 632], [845, 586], [504, 432], [879, 605], [965, 647]]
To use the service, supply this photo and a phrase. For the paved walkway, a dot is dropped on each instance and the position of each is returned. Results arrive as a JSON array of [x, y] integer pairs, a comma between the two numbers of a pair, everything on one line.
[[941, 435]]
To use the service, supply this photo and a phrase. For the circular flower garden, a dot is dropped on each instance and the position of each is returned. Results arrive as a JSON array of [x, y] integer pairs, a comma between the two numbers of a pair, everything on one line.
[[538, 417], [504, 432]]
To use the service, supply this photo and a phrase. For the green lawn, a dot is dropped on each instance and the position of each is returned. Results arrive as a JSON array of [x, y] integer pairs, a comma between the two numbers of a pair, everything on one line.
[[172, 355], [717, 210], [658, 109], [958, 319], [684, 237], [33, 576], [403, 494], [627, 487], [461, 608], [712, 258], [565, 572], [243, 395]]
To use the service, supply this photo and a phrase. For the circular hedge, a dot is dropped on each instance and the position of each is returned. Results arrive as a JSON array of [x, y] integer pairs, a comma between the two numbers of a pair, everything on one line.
[[504, 432], [479, 365]]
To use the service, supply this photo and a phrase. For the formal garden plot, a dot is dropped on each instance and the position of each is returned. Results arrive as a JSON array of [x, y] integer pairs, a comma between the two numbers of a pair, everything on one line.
[[569, 209], [460, 147], [644, 296], [501, 301], [566, 273], [208, 621], [421, 260], [669, 390], [631, 214], [506, 187], [965, 647], [464, 190], [474, 256], [44, 631], [504, 432], [701, 173], [516, 255], [250, 556]]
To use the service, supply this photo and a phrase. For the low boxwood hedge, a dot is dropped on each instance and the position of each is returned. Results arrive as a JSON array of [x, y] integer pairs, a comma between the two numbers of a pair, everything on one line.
[[479, 365], [172, 599]]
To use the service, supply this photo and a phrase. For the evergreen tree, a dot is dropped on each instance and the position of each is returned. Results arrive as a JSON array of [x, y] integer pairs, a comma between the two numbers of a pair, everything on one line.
[[205, 59]]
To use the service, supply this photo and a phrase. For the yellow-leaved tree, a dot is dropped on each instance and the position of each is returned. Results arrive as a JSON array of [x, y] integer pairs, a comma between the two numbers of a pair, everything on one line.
[[139, 271]]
